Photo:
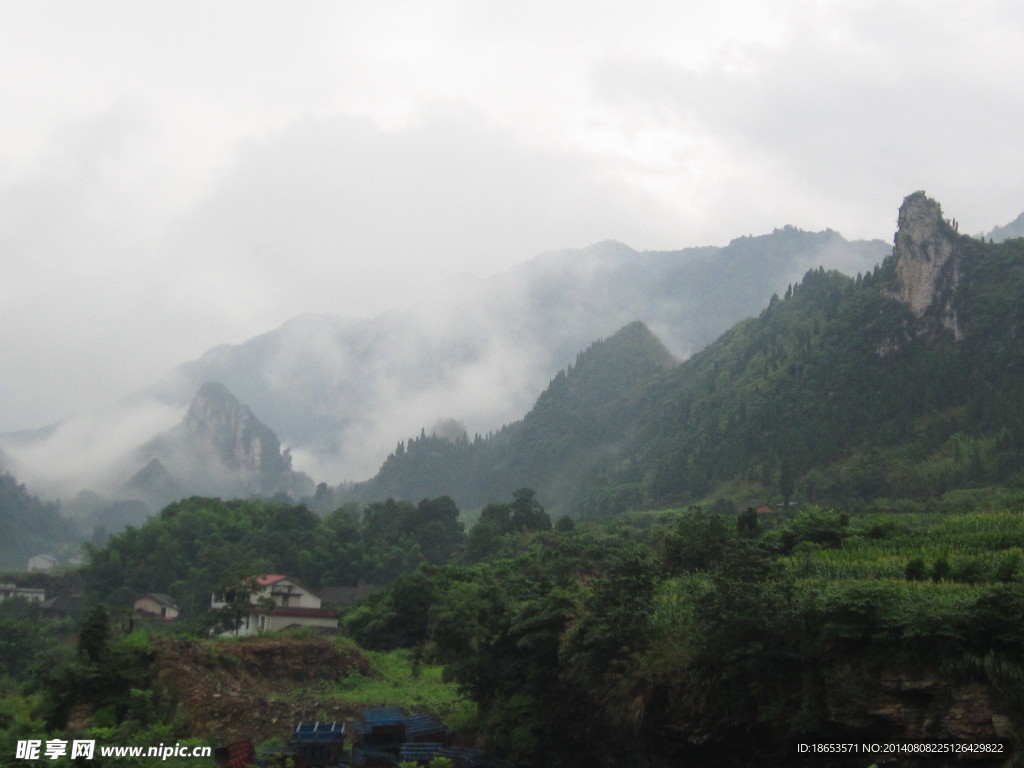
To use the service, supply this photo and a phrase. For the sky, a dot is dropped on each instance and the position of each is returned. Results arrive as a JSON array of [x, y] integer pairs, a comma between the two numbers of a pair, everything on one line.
[[175, 176]]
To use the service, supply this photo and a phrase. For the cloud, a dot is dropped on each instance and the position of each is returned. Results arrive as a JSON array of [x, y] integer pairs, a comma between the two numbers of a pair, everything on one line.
[[81, 451], [337, 214], [180, 176], [833, 121]]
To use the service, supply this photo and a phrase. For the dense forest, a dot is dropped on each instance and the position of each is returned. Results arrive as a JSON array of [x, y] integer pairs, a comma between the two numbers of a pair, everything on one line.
[[28, 526], [645, 640]]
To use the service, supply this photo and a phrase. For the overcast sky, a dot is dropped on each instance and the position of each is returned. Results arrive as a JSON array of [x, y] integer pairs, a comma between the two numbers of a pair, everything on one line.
[[178, 175]]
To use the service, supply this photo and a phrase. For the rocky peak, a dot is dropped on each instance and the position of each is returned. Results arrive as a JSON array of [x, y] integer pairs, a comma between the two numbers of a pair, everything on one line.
[[925, 256], [220, 448], [225, 428]]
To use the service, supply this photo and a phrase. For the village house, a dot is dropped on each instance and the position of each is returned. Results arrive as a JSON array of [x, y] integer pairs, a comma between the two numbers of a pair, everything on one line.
[[42, 563], [8, 591], [277, 602], [156, 605]]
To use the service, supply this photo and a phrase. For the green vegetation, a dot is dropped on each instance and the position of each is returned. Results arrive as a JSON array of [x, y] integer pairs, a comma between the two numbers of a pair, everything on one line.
[[558, 448], [632, 639], [836, 393], [591, 644], [197, 546], [28, 526], [882, 596], [401, 678]]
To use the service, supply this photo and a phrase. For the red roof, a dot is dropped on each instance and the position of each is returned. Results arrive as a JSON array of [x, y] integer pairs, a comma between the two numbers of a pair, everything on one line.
[[269, 578]]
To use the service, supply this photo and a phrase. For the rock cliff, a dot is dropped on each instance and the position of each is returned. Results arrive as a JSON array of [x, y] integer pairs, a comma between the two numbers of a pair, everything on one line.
[[221, 449], [218, 425], [926, 261]]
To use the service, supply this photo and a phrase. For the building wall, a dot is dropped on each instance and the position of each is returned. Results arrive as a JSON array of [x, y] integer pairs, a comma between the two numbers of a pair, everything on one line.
[[255, 623], [7, 591], [41, 563], [149, 605]]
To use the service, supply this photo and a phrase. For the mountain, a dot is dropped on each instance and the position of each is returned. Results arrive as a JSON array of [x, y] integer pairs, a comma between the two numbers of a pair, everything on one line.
[[28, 526], [903, 382], [219, 449], [1014, 229], [906, 382], [570, 431], [342, 392]]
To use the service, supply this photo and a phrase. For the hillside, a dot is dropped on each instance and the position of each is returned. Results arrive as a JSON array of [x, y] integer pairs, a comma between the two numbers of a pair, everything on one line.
[[342, 392], [569, 434], [253, 690], [903, 382], [28, 526]]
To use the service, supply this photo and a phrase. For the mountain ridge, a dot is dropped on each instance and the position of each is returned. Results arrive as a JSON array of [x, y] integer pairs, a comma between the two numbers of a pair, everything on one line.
[[848, 387]]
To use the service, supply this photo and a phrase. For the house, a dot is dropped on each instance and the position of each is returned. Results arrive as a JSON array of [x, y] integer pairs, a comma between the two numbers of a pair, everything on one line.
[[272, 602], [7, 591], [44, 563], [156, 605]]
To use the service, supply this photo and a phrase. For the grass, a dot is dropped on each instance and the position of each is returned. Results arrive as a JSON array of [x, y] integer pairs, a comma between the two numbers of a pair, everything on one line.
[[396, 680]]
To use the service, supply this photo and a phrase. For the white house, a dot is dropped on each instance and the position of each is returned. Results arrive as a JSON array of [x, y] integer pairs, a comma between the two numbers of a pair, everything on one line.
[[44, 563], [279, 602], [33, 595]]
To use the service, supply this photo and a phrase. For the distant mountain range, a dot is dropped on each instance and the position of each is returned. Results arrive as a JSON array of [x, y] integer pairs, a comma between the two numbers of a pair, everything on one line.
[[623, 425], [904, 382], [343, 392]]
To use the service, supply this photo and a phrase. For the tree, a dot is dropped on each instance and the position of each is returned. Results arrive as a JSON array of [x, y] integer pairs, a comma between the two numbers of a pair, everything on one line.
[[527, 513], [786, 482], [94, 636], [485, 538]]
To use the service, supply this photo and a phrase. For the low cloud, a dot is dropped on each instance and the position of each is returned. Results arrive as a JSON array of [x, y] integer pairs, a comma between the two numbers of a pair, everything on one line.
[[85, 451]]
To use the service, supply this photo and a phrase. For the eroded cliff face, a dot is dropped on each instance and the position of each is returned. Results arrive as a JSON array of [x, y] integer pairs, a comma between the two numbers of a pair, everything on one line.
[[926, 259], [221, 426], [220, 449], [924, 707]]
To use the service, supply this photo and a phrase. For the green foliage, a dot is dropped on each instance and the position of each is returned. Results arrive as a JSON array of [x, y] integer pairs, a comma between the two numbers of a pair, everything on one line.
[[28, 526], [95, 634], [527, 513], [198, 546], [559, 448], [824, 527], [397, 678]]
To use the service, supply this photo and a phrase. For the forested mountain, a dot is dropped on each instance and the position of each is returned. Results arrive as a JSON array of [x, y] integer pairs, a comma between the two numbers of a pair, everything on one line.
[[903, 382], [28, 526], [342, 392], [1014, 229], [345, 391], [906, 382], [556, 448]]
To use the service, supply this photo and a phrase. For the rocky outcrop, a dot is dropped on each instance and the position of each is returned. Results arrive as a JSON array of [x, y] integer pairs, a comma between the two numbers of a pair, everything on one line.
[[922, 708], [219, 449], [926, 261], [218, 425]]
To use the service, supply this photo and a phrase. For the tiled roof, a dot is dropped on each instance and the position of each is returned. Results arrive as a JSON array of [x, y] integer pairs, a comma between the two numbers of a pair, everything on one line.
[[270, 578]]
